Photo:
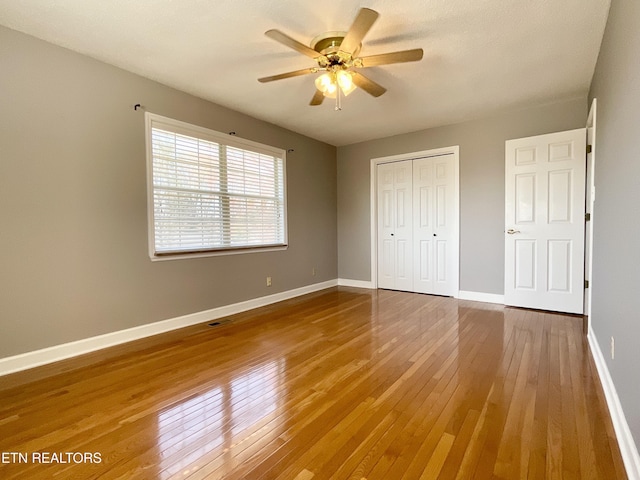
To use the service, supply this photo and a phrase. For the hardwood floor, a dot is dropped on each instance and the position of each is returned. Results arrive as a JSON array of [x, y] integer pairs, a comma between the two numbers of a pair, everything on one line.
[[340, 384]]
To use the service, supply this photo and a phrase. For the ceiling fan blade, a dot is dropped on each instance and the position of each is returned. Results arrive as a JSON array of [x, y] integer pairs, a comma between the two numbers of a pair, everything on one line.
[[393, 57], [317, 99], [295, 73], [286, 40], [361, 25], [368, 85]]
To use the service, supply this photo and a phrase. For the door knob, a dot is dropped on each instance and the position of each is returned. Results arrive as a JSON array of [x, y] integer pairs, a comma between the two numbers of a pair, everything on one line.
[[511, 231]]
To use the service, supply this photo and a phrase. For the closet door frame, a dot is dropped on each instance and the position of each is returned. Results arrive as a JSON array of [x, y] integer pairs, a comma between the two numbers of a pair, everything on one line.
[[455, 150]]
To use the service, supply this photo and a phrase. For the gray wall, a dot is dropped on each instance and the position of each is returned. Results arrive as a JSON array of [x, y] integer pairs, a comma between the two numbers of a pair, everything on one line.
[[616, 279], [73, 204], [481, 187]]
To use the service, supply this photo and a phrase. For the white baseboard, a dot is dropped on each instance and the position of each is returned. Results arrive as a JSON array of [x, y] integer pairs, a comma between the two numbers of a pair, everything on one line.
[[623, 434], [346, 282], [56, 353], [481, 297]]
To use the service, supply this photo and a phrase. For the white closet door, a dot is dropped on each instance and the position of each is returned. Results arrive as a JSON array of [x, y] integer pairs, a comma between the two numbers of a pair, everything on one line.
[[434, 225], [395, 231]]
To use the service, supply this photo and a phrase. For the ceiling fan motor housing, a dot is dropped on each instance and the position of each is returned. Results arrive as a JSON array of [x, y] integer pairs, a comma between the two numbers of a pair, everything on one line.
[[328, 44]]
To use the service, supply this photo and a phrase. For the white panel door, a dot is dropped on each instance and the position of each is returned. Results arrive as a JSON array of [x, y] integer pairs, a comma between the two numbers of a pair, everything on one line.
[[434, 225], [395, 230], [544, 230]]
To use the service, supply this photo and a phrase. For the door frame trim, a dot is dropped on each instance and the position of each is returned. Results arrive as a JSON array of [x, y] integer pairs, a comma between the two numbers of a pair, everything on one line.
[[436, 152], [589, 207]]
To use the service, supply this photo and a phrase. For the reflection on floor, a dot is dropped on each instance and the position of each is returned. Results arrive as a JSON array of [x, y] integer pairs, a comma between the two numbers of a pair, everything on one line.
[[191, 432]]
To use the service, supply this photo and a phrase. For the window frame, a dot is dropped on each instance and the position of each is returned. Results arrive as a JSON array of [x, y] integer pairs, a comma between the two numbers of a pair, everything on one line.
[[153, 120]]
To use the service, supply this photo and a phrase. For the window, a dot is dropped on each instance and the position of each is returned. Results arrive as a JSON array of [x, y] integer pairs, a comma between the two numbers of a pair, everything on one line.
[[211, 193]]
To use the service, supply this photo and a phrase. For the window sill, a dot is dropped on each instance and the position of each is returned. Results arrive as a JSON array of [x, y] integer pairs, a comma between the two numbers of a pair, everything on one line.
[[214, 253]]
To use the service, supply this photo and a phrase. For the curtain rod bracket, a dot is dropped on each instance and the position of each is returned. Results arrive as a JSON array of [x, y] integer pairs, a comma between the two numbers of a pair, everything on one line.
[[135, 107]]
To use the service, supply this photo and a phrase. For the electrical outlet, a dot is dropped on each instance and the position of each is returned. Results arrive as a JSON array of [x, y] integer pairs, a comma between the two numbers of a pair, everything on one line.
[[268, 281], [313, 272], [613, 348]]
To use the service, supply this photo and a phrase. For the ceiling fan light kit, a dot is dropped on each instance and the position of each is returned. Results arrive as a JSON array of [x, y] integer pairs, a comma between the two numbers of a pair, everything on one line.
[[328, 83], [336, 54]]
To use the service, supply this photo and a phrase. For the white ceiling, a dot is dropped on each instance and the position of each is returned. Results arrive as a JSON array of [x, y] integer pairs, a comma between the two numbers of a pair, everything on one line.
[[481, 56]]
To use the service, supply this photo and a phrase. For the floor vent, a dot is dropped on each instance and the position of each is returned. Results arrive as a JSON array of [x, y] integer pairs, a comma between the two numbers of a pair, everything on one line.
[[219, 322]]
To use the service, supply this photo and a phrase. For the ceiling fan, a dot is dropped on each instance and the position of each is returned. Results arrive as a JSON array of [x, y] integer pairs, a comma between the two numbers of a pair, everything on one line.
[[336, 54]]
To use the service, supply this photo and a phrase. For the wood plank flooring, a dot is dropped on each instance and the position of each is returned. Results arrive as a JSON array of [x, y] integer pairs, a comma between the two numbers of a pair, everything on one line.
[[340, 384]]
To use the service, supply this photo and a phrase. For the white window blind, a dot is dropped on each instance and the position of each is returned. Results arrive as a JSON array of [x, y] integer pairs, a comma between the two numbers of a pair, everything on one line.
[[211, 192]]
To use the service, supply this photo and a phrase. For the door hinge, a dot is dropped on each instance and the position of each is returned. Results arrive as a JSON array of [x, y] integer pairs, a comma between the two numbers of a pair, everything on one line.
[[589, 148], [586, 284], [587, 217]]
